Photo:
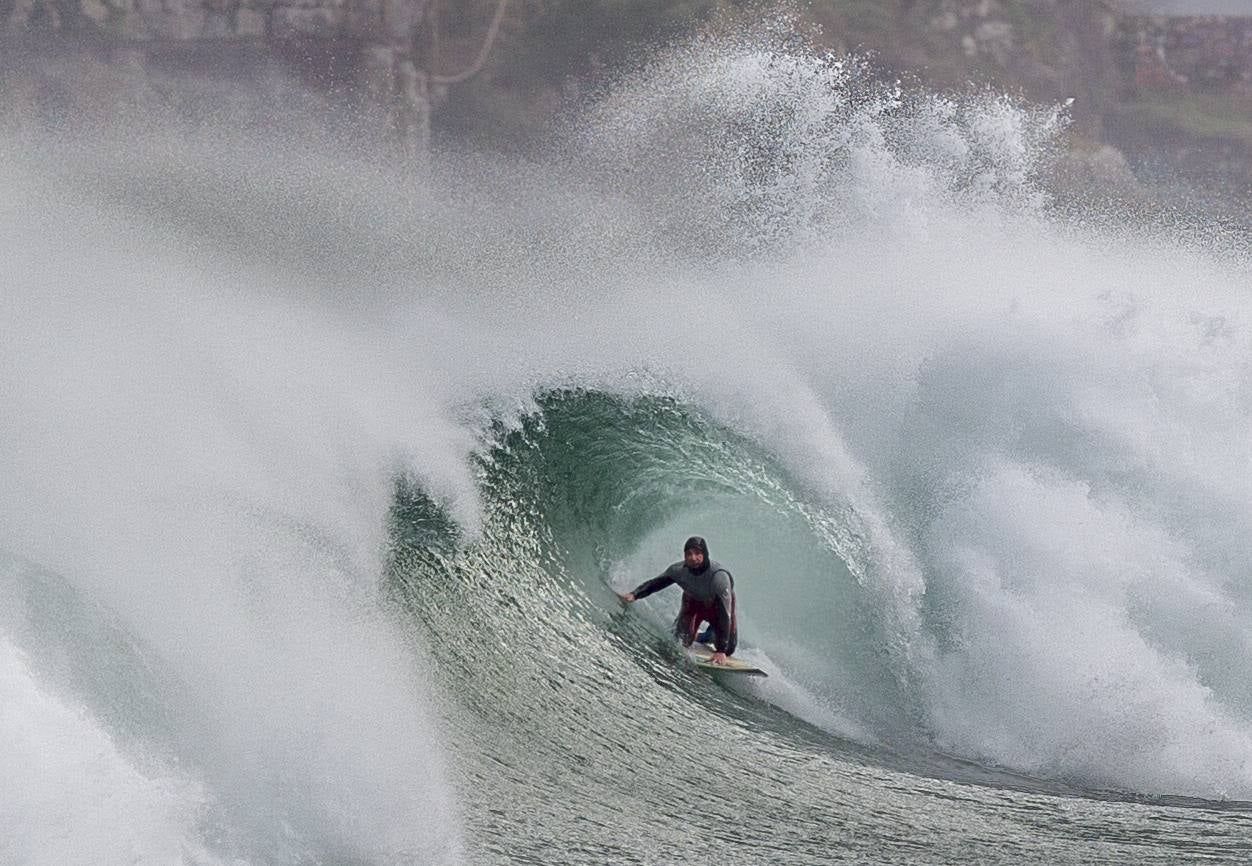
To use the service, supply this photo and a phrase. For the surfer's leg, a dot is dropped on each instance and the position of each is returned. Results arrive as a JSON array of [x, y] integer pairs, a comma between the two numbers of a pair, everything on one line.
[[701, 613], [688, 621], [733, 640]]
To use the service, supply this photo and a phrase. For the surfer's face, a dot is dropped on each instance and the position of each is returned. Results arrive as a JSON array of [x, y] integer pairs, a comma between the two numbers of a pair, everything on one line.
[[693, 558]]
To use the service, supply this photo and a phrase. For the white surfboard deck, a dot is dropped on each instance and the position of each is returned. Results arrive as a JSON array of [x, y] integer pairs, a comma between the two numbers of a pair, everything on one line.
[[701, 656]]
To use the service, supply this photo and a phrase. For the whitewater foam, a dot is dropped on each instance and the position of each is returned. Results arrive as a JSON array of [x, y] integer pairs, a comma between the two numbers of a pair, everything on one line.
[[977, 394], [70, 797]]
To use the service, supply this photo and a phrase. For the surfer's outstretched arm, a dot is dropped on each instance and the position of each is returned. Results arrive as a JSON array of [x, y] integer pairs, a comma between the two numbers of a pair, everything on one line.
[[662, 580], [648, 587]]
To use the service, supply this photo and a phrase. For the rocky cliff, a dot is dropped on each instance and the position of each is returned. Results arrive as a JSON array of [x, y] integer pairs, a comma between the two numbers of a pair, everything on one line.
[[1184, 106], [84, 57], [1159, 88]]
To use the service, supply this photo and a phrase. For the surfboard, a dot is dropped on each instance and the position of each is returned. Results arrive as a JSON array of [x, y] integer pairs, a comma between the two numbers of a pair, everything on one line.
[[701, 656]]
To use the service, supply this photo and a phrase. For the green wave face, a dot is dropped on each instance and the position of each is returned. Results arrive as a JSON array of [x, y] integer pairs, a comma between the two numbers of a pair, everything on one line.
[[572, 709], [592, 493]]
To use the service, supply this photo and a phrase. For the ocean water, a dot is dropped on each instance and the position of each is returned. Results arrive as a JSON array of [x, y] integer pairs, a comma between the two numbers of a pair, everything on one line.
[[319, 474]]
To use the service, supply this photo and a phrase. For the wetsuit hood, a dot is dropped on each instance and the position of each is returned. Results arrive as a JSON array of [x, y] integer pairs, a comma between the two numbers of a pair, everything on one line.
[[695, 542]]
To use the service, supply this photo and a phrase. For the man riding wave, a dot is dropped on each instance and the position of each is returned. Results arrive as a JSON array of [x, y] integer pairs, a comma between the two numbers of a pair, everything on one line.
[[708, 596]]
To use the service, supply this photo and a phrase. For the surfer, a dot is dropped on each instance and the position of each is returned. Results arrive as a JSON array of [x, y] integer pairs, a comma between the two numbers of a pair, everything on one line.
[[708, 596]]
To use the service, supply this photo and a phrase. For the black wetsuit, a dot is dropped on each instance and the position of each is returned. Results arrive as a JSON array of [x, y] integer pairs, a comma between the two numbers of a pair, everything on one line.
[[708, 594]]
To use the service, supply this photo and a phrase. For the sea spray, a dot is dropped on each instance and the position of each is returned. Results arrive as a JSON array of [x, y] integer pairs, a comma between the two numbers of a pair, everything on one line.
[[1011, 439]]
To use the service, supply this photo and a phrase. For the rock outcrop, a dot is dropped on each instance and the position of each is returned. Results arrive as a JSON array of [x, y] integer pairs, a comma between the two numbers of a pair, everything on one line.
[[76, 55], [1205, 54]]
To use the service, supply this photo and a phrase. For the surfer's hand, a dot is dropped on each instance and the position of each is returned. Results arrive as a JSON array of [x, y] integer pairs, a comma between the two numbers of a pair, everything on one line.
[[627, 597], [718, 658]]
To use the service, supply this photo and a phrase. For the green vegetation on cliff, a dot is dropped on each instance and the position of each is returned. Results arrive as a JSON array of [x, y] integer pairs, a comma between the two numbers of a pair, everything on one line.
[[1201, 116]]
